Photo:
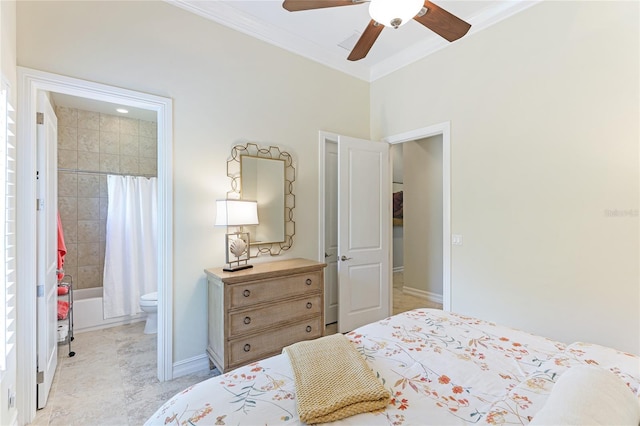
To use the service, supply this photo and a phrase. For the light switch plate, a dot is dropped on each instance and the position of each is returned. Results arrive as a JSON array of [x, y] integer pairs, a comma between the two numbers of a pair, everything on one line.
[[456, 239]]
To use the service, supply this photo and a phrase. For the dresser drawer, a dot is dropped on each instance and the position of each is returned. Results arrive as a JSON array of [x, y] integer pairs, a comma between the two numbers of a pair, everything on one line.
[[255, 312], [249, 320], [251, 348], [242, 295]]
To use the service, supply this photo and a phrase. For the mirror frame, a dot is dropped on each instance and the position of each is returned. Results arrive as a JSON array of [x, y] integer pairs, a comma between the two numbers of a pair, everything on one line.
[[233, 172]]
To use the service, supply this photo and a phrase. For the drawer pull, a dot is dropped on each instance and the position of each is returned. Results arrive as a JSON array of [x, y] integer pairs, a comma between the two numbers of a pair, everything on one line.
[[247, 347], [246, 293], [309, 329], [308, 281], [247, 320], [309, 305]]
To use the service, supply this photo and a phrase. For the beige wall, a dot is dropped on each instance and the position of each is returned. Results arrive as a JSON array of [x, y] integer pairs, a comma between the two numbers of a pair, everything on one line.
[[8, 70], [95, 142], [226, 88], [544, 143], [545, 138], [423, 216], [398, 230]]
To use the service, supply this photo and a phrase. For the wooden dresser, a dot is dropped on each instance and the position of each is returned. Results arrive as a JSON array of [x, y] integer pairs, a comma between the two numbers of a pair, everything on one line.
[[256, 312]]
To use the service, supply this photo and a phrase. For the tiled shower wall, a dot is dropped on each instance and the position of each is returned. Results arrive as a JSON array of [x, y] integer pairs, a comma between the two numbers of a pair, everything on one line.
[[95, 142]]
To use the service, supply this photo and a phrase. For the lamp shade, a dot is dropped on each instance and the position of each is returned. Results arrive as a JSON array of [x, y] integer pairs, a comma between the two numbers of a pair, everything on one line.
[[394, 13], [236, 212]]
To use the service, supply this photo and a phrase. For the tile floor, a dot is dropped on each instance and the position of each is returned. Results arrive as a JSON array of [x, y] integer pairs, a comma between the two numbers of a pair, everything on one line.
[[110, 381], [405, 302], [112, 378]]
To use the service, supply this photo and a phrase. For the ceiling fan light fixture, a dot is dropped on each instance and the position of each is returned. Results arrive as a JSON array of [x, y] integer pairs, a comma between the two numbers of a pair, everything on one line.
[[394, 13]]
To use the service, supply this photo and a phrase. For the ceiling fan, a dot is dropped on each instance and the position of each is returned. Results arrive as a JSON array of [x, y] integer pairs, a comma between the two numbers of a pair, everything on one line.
[[391, 13]]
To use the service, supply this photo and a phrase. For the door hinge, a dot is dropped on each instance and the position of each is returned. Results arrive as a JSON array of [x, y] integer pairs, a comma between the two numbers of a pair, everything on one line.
[[40, 377], [39, 117], [39, 204]]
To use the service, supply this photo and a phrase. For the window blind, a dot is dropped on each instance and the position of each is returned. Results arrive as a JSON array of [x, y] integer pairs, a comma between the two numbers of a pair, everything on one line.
[[7, 218]]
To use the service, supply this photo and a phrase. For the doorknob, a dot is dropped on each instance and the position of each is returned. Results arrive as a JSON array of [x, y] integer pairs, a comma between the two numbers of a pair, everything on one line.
[[343, 258]]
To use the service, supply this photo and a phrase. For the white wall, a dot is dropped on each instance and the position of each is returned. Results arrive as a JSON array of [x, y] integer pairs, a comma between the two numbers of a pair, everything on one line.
[[8, 69], [227, 88], [545, 146], [423, 216]]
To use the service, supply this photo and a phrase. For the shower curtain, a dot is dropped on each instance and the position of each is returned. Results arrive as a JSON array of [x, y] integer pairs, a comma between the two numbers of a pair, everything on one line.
[[130, 264]]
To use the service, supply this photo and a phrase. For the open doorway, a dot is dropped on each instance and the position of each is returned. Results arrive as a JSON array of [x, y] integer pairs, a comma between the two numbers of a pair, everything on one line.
[[97, 139], [33, 82], [439, 137], [417, 224], [327, 221]]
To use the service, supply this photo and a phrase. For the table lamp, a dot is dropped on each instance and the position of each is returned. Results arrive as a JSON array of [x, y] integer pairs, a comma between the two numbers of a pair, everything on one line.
[[237, 213]]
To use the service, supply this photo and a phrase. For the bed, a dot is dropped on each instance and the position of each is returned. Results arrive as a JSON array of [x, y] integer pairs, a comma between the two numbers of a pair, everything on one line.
[[439, 368]]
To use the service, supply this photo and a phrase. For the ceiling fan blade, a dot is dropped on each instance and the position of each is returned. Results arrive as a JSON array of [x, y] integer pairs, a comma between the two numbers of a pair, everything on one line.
[[296, 5], [365, 41], [442, 22]]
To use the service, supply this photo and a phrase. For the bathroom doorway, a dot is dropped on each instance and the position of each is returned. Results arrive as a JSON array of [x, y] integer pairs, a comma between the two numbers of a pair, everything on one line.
[[97, 139], [34, 82]]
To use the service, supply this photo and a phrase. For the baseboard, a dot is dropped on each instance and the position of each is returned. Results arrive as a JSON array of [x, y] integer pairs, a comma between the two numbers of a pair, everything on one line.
[[423, 294], [398, 269], [190, 366]]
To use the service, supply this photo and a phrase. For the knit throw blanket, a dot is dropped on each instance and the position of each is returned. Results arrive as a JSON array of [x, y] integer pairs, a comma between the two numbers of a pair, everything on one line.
[[333, 381]]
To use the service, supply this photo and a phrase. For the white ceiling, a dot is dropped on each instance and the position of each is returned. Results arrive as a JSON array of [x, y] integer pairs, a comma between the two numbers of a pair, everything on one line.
[[317, 34], [85, 104]]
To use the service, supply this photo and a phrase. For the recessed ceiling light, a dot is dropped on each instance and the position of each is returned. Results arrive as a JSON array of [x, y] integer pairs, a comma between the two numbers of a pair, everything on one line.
[[122, 110]]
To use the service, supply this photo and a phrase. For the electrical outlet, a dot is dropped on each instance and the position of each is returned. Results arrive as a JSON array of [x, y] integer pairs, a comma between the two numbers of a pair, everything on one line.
[[456, 239]]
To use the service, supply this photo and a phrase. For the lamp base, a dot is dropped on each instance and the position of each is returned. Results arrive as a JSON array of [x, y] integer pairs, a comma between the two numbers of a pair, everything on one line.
[[236, 268]]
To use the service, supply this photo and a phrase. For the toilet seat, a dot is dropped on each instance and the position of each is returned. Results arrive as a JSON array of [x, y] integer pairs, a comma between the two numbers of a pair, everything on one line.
[[150, 297], [149, 304]]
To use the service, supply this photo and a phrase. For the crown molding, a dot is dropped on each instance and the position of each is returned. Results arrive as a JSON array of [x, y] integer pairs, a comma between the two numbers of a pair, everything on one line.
[[231, 17], [423, 49], [225, 14]]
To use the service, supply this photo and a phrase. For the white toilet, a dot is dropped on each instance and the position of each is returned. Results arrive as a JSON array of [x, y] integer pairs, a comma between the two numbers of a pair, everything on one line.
[[149, 304]]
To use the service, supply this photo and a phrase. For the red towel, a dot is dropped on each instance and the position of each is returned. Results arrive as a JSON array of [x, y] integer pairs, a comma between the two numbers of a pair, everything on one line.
[[62, 290], [63, 309], [62, 250]]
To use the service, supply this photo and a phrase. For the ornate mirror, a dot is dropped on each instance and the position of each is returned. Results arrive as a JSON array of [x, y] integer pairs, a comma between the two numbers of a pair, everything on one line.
[[265, 175]]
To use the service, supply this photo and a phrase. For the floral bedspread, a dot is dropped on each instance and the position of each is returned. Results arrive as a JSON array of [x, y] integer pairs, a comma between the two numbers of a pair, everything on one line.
[[441, 368]]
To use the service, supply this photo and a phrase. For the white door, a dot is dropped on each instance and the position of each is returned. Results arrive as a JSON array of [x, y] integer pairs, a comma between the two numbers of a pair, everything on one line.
[[47, 254], [364, 228], [331, 233]]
